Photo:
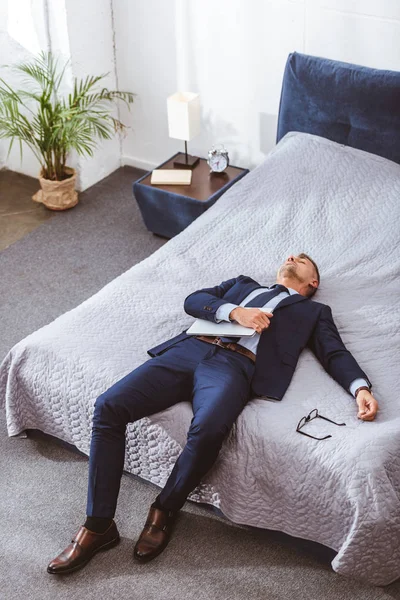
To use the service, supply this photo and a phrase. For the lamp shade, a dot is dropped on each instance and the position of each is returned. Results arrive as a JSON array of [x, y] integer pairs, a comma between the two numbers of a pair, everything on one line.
[[183, 115]]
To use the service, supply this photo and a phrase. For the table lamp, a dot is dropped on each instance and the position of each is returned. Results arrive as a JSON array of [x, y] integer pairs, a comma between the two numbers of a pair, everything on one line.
[[184, 123]]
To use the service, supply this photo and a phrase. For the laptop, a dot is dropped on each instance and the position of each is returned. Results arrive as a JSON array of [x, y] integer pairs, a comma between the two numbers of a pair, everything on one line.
[[204, 327], [223, 329]]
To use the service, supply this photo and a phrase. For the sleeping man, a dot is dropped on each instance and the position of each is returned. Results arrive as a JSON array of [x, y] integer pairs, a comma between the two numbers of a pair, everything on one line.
[[219, 376]]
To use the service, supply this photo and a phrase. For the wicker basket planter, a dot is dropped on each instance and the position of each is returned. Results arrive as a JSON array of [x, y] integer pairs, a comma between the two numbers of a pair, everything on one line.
[[57, 195]]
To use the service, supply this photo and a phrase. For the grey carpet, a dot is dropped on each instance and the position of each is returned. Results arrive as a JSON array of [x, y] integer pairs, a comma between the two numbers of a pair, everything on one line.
[[43, 483]]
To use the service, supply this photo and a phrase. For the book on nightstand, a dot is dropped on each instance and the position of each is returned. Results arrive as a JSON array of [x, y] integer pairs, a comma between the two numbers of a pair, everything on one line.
[[171, 177]]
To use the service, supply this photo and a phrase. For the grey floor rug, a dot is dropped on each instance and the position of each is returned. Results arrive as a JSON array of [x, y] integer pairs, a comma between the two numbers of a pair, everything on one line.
[[43, 483]]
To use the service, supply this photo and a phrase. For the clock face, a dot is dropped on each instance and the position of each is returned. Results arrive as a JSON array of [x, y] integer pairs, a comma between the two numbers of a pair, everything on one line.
[[218, 163]]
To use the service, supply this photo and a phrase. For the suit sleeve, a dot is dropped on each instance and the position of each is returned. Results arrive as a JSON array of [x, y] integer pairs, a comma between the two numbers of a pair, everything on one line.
[[204, 303], [327, 345]]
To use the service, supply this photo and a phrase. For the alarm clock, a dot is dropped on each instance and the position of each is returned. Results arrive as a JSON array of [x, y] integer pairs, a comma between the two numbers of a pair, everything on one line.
[[218, 159]]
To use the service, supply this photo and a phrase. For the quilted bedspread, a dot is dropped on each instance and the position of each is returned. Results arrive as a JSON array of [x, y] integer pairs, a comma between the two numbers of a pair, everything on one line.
[[339, 205]]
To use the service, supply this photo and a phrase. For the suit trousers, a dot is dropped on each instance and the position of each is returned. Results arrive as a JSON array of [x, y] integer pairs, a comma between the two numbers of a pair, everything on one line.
[[217, 382]]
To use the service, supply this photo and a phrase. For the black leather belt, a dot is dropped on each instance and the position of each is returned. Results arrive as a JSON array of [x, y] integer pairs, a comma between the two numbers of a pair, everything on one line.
[[228, 346]]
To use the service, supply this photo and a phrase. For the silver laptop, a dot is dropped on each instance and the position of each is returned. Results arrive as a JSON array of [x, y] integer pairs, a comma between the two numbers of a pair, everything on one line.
[[223, 329], [204, 327]]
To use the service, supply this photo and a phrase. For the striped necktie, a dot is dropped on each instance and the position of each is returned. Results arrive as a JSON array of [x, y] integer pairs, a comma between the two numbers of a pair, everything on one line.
[[262, 299]]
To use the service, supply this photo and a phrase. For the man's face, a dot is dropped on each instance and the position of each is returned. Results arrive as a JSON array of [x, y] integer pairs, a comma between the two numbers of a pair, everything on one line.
[[298, 268]]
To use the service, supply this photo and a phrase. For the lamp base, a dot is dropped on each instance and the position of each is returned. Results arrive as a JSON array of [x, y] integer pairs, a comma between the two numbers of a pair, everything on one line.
[[186, 162]]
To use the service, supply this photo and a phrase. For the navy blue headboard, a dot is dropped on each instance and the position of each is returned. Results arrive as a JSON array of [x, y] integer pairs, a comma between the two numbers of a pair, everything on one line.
[[353, 105]]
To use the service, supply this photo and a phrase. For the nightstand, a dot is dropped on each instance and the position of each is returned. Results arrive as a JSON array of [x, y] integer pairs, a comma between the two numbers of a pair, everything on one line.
[[168, 209]]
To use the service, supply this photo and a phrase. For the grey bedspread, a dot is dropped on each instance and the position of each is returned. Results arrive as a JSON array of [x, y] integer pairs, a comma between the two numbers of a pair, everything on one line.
[[339, 205]]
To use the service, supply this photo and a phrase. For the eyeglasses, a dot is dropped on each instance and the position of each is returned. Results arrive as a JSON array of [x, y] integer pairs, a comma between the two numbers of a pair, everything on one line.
[[313, 415]]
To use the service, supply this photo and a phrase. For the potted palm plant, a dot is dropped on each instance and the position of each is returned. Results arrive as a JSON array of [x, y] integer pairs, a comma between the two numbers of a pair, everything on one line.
[[52, 125]]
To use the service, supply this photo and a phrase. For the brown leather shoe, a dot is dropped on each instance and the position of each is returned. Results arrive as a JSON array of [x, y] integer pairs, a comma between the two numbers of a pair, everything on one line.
[[155, 535], [81, 549]]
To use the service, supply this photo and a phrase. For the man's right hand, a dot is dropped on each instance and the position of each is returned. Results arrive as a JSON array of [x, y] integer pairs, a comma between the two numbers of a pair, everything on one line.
[[251, 317], [368, 406]]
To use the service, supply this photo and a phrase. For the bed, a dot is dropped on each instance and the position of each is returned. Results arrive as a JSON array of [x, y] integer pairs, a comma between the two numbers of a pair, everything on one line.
[[319, 191]]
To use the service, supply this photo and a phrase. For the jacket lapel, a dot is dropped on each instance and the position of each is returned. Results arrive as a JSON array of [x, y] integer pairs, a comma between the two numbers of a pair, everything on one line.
[[247, 289], [290, 300]]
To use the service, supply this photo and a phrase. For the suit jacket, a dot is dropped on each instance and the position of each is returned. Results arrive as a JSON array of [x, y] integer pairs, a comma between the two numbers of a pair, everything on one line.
[[297, 322]]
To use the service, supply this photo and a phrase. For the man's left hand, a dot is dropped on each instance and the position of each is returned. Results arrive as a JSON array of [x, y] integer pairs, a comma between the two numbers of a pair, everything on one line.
[[368, 406]]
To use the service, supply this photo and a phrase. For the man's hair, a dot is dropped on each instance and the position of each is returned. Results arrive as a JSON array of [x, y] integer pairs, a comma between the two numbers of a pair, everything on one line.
[[311, 289]]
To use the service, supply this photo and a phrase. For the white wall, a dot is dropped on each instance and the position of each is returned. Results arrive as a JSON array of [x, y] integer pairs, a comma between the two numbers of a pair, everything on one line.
[[232, 52], [90, 30], [146, 65], [235, 56]]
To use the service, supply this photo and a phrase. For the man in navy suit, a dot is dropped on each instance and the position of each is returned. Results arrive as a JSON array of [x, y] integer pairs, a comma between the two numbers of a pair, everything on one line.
[[219, 376]]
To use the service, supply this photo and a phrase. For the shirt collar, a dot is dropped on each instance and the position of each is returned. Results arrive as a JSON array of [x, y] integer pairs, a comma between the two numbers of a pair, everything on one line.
[[292, 291]]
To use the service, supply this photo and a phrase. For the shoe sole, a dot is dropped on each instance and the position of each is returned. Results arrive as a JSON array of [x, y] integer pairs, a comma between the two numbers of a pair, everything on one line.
[[107, 546]]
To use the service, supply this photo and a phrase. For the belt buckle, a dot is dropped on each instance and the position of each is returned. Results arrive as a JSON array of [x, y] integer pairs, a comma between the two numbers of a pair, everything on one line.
[[219, 342]]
